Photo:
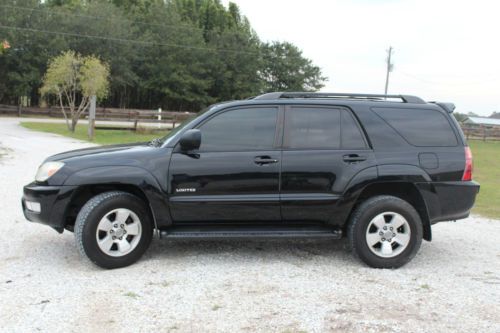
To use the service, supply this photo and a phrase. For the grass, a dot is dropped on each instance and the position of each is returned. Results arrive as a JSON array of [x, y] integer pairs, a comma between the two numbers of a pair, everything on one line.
[[103, 137], [487, 172], [486, 158], [131, 294]]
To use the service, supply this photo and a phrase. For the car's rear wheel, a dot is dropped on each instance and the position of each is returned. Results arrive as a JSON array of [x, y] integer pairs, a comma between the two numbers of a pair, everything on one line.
[[385, 232], [113, 229]]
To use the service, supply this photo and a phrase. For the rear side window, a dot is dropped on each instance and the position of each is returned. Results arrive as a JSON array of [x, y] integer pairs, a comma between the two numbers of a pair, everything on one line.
[[352, 137], [321, 128], [240, 129], [422, 128]]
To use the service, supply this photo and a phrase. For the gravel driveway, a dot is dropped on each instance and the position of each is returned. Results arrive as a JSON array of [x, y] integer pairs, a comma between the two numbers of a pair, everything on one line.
[[453, 284]]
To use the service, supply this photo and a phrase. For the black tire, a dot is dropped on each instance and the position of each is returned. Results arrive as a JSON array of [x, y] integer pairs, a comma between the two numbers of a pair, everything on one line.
[[360, 221], [91, 214]]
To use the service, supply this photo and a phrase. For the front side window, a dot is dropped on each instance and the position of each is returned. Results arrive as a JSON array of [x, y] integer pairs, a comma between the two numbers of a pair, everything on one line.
[[240, 130]]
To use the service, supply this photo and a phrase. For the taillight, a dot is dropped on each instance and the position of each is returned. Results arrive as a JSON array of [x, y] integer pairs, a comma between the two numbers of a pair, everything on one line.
[[468, 165]]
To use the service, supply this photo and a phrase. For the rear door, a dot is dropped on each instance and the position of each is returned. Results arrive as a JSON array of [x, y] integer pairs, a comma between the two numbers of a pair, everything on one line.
[[323, 149]]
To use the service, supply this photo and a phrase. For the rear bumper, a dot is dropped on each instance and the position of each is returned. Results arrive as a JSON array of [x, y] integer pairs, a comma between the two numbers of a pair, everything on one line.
[[448, 201], [52, 200]]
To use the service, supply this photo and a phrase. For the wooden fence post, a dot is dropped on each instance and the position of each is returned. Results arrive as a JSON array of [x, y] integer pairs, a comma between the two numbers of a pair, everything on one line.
[[91, 124]]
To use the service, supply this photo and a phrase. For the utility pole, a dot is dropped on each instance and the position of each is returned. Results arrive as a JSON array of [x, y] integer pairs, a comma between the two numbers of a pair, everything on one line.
[[390, 66]]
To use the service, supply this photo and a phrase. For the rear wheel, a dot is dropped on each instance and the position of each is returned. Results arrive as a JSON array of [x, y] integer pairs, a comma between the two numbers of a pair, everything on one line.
[[113, 229], [385, 232]]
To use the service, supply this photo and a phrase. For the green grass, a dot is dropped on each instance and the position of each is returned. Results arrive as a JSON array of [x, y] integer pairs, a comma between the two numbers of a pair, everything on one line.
[[103, 137], [486, 157]]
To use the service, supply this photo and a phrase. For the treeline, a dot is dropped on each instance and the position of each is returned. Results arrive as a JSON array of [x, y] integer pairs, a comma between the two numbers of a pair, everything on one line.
[[175, 54]]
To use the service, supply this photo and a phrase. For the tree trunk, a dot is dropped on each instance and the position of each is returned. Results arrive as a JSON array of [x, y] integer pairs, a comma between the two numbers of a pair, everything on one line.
[[74, 120]]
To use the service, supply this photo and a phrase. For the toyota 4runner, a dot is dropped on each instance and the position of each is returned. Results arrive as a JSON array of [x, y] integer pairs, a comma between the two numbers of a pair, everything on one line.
[[377, 169]]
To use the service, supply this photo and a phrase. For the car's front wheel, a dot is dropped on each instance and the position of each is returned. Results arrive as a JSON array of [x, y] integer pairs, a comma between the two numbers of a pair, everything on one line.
[[385, 232], [113, 229]]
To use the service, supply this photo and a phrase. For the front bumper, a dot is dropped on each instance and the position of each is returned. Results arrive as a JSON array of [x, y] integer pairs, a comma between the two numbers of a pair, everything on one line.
[[53, 202], [447, 201]]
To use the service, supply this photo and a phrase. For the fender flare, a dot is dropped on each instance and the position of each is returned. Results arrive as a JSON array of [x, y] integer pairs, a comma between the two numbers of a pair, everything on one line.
[[389, 173], [127, 175]]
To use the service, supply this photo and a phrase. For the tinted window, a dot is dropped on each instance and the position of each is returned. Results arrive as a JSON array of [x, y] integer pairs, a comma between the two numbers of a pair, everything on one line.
[[241, 129], [425, 128], [312, 128], [352, 137]]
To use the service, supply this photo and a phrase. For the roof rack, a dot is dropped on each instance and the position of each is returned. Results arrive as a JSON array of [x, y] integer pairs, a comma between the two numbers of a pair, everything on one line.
[[370, 97]]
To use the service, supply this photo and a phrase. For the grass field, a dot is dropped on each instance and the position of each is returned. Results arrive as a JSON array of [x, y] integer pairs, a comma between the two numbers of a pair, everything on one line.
[[486, 159], [487, 172], [103, 137]]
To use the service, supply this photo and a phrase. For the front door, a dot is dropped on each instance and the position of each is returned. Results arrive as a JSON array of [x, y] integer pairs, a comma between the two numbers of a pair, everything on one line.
[[234, 177], [323, 149]]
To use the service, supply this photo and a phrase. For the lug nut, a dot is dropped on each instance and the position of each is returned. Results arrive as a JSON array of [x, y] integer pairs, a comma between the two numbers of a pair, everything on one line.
[[124, 231], [116, 225], [114, 237], [381, 233], [391, 228], [385, 228], [111, 231], [121, 238], [121, 225], [393, 235], [383, 239], [390, 240]]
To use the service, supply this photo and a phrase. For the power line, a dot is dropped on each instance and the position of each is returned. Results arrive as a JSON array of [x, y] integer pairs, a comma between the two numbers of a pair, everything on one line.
[[123, 40], [58, 12]]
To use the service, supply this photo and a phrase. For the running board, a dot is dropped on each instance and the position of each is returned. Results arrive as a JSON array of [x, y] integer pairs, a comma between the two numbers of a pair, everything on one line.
[[214, 232]]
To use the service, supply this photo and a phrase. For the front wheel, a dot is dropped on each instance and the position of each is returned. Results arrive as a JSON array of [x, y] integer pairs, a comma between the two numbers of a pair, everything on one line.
[[385, 232], [113, 229]]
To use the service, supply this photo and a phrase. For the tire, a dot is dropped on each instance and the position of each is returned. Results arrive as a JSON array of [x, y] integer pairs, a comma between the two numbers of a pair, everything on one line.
[[105, 244], [372, 239]]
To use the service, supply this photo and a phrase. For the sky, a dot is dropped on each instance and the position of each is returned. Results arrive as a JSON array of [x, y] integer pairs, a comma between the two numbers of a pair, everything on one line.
[[444, 50]]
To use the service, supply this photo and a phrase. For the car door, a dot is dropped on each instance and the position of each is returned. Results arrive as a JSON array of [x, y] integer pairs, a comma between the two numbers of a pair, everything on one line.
[[323, 149], [234, 176]]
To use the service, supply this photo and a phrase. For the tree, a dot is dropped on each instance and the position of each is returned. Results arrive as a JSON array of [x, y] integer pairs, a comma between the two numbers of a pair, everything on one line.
[[285, 69], [73, 79], [174, 54], [460, 117]]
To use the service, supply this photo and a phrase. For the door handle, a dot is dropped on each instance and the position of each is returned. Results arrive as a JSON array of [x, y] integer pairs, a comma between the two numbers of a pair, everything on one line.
[[354, 158], [262, 160]]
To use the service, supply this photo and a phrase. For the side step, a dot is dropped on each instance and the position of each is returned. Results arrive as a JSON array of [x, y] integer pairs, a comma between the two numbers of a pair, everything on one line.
[[221, 232]]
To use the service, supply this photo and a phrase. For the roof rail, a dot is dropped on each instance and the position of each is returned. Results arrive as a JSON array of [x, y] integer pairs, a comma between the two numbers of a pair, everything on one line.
[[372, 97]]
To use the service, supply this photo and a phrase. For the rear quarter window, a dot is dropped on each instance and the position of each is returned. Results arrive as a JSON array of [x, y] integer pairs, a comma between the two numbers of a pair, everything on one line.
[[420, 127]]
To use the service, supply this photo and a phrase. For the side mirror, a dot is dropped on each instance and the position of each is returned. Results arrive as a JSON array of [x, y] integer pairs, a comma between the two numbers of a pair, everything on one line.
[[190, 140]]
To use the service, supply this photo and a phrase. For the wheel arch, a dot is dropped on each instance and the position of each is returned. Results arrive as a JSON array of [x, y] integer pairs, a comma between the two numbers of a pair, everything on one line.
[[406, 191], [133, 180]]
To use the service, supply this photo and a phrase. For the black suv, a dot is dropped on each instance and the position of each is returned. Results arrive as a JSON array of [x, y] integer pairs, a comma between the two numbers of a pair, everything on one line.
[[378, 169]]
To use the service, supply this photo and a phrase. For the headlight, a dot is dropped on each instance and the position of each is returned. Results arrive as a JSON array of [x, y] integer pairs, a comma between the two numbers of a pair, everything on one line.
[[46, 170]]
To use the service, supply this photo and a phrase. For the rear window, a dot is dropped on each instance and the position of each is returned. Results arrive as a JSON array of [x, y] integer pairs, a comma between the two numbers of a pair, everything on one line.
[[422, 128]]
